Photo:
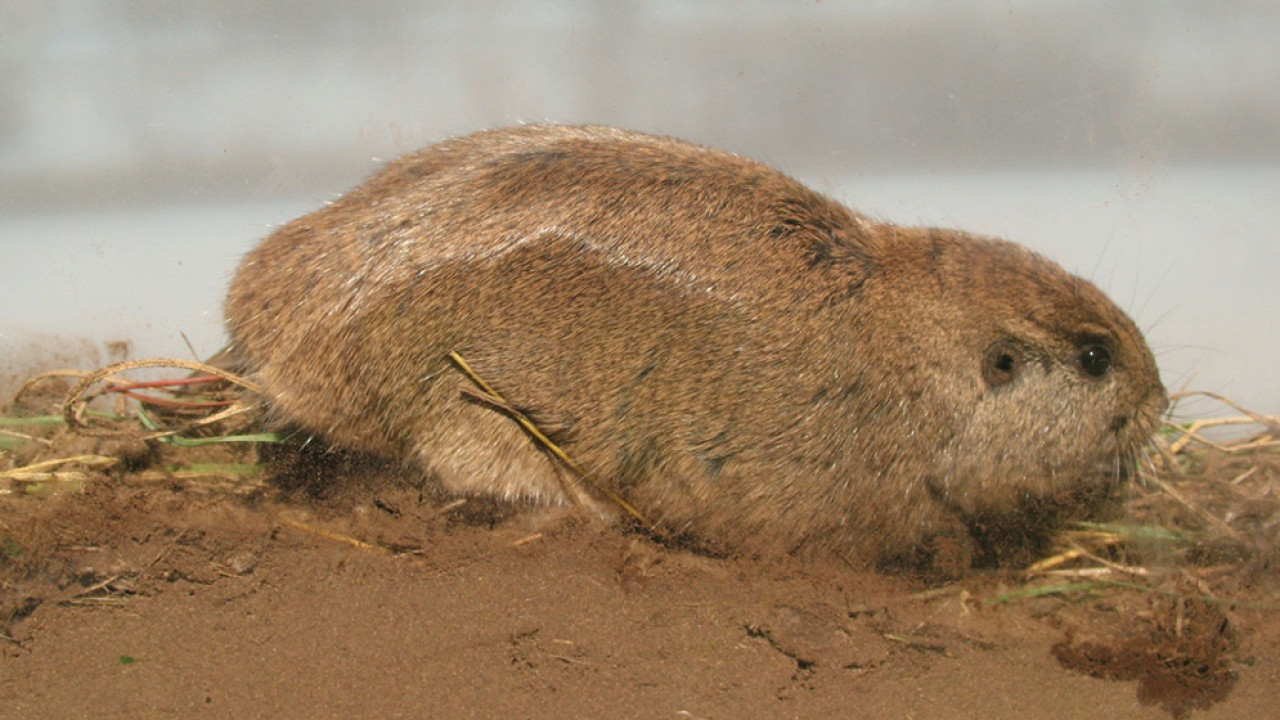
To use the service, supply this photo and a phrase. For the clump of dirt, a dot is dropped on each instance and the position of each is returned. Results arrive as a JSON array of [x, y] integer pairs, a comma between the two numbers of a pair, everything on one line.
[[1179, 650]]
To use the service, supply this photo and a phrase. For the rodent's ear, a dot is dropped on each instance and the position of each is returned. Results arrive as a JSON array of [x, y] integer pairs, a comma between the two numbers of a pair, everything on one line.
[[1002, 364]]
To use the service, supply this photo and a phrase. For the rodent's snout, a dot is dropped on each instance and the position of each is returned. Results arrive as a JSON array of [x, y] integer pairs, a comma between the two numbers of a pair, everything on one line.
[[1156, 405], [1135, 427]]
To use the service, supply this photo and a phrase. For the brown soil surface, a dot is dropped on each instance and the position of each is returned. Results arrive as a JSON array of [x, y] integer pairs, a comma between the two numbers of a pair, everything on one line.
[[155, 593]]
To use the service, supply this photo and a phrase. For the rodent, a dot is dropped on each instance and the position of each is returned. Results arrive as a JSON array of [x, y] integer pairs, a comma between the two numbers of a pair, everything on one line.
[[742, 359]]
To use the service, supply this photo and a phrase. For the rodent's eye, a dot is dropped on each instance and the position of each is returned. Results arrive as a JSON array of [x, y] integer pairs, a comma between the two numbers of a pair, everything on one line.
[[1095, 360], [1001, 364]]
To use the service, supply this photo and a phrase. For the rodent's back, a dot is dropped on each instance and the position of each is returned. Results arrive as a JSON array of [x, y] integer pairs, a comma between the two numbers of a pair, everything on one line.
[[651, 199]]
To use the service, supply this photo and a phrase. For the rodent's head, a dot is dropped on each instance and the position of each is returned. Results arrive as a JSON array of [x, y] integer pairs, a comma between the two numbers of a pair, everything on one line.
[[1037, 382]]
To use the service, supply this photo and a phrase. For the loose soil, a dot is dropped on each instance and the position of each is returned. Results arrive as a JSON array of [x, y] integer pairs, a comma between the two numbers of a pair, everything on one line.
[[159, 591]]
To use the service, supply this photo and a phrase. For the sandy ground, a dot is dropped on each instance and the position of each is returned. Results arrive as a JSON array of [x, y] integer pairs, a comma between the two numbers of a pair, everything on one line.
[[164, 590]]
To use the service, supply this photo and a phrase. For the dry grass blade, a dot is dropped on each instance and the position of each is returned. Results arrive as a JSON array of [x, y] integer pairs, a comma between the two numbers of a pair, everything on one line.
[[104, 585], [1209, 517], [1076, 551], [500, 402], [93, 461], [25, 437], [1130, 570], [1270, 422], [1088, 587], [528, 539], [336, 537], [453, 505], [1191, 432], [68, 476], [74, 406], [34, 380]]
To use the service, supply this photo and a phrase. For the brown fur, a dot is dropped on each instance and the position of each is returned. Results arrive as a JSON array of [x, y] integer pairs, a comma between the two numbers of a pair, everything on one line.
[[738, 356]]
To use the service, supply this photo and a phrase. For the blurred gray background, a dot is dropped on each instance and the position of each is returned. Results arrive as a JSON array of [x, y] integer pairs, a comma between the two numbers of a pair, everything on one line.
[[144, 146]]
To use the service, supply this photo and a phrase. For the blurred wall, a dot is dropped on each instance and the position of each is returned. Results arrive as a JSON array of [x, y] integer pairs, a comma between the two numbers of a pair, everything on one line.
[[155, 100]]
